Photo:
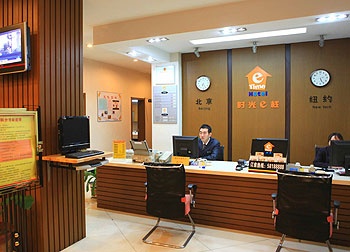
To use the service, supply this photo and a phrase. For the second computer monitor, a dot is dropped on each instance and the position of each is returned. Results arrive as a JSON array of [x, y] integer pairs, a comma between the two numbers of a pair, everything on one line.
[[185, 146], [340, 155]]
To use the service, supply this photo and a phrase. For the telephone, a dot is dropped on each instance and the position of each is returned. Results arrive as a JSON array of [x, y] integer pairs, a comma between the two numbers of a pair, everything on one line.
[[165, 157]]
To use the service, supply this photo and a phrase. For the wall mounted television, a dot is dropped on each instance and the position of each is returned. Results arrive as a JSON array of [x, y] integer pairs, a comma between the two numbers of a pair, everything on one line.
[[14, 48], [73, 133]]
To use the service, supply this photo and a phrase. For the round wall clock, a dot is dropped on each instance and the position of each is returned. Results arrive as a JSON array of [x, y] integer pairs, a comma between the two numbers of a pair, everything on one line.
[[320, 77], [203, 83]]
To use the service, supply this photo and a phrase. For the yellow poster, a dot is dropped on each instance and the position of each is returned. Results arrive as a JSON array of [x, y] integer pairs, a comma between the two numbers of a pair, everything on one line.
[[119, 149], [18, 145]]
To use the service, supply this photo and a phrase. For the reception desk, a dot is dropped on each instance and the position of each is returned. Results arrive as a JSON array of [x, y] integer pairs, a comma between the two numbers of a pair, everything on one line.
[[226, 198]]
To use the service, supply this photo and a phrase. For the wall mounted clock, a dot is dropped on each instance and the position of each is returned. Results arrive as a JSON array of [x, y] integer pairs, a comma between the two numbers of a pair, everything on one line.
[[320, 77], [203, 83]]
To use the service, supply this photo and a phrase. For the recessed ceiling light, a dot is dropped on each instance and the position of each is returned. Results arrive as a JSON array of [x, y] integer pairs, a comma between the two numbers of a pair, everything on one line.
[[332, 18], [133, 53], [89, 45], [231, 30], [249, 36], [241, 29], [157, 40]]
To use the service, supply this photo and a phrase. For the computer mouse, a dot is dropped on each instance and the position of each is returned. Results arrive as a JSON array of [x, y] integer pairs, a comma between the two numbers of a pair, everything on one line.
[[239, 168]]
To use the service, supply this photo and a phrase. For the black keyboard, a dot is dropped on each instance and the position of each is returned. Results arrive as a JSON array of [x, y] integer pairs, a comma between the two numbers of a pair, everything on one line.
[[85, 153]]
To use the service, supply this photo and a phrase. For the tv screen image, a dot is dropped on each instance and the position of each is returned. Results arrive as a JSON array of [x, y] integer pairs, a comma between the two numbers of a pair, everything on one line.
[[340, 155], [14, 48], [185, 146], [73, 133], [269, 150]]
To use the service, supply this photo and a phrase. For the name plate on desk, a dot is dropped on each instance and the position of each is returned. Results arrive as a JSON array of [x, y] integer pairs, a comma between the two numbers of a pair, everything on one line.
[[263, 166], [180, 160]]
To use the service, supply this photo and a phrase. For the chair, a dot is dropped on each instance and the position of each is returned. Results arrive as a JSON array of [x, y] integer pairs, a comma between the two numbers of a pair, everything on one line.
[[302, 207], [166, 198], [221, 153]]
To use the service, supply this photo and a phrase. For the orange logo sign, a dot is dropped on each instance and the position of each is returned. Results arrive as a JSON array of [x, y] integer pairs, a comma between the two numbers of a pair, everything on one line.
[[268, 147], [257, 79]]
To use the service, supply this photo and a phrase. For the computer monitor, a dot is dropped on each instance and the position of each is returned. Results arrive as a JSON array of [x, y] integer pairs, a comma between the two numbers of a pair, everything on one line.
[[270, 148], [185, 146], [340, 155], [73, 133]]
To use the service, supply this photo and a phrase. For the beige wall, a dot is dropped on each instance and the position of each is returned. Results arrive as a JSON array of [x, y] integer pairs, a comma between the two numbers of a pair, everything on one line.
[[99, 76]]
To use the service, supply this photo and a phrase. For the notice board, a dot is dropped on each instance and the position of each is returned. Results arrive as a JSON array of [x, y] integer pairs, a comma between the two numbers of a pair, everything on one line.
[[18, 148]]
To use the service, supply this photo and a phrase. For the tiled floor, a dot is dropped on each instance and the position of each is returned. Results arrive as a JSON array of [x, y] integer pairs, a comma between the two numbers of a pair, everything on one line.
[[112, 231]]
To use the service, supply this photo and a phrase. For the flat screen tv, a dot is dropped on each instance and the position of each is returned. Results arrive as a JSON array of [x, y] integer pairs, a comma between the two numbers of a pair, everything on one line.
[[185, 146], [340, 155], [14, 48], [73, 133]]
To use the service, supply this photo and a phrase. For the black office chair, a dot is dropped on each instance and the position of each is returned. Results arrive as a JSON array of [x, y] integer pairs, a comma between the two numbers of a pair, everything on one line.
[[166, 198], [221, 153], [302, 207]]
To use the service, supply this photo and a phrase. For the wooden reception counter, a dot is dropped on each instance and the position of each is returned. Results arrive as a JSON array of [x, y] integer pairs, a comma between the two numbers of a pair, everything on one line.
[[226, 198]]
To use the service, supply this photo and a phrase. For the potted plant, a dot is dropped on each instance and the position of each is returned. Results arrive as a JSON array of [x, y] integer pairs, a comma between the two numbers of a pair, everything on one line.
[[90, 180]]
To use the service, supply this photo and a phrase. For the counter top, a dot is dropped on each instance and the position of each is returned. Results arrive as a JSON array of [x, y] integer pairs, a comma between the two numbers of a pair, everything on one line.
[[225, 168]]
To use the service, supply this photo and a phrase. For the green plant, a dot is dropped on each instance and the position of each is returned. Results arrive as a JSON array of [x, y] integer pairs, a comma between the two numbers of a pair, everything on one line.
[[90, 180], [24, 202]]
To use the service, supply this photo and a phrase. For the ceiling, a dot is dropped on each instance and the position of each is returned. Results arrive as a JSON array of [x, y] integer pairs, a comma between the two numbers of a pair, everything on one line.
[[114, 17]]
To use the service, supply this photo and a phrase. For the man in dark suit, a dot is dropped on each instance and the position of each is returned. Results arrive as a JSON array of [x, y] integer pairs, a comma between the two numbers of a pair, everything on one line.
[[209, 147]]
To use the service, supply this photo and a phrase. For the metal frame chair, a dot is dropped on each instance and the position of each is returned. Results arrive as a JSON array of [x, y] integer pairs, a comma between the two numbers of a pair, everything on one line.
[[302, 207], [166, 198]]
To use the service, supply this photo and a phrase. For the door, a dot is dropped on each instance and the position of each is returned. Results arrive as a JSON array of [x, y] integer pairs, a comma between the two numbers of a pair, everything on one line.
[[138, 114]]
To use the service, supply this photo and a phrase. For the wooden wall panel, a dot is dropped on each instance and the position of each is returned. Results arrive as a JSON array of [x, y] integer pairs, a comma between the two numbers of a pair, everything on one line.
[[214, 65], [316, 120], [54, 84], [254, 121]]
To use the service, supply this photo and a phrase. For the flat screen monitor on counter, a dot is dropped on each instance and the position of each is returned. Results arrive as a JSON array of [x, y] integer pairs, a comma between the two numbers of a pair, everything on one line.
[[185, 146], [73, 133], [340, 155]]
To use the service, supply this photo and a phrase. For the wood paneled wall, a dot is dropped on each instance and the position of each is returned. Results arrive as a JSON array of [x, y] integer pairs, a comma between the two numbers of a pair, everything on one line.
[[209, 107], [316, 112], [54, 83], [296, 118]]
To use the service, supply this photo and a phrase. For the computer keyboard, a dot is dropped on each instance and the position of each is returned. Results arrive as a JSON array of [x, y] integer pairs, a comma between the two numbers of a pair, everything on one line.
[[83, 154]]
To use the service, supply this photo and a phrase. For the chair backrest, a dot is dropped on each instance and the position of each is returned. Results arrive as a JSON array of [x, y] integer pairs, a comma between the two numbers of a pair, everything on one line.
[[165, 190], [304, 203], [221, 153], [317, 149]]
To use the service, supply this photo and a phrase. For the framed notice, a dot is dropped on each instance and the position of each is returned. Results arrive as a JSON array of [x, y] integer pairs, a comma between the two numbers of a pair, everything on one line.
[[109, 106], [18, 148], [165, 75]]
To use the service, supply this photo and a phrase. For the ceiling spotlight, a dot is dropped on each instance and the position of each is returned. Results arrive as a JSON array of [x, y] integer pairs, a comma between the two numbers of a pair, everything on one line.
[[89, 45], [196, 52], [227, 30], [321, 42], [255, 47], [332, 18], [157, 40], [231, 30], [241, 29]]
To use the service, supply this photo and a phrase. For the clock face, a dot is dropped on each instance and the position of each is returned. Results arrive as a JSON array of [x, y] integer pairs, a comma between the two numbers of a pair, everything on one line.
[[320, 78], [203, 83]]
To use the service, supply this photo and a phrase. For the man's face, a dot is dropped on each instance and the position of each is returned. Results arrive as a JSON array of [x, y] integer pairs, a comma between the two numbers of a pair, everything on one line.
[[204, 135]]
